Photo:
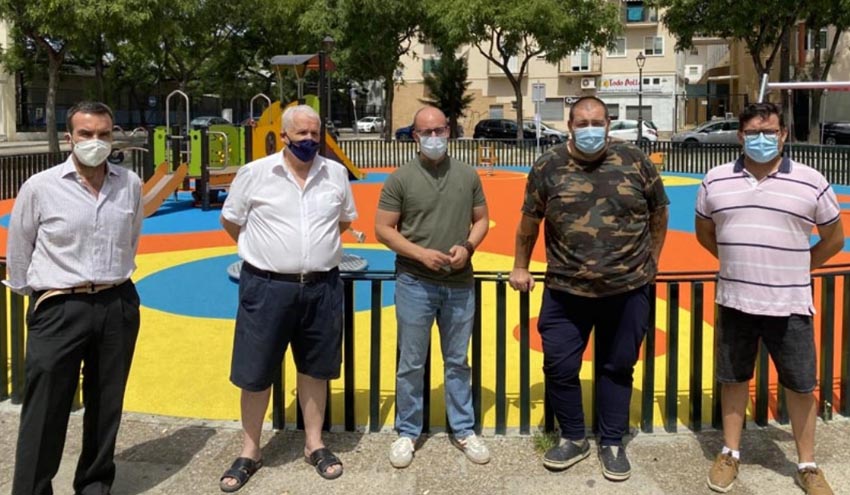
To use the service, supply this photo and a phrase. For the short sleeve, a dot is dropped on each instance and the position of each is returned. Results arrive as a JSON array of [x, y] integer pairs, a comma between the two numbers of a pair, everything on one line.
[[533, 204], [237, 204], [392, 194], [828, 209], [702, 209]]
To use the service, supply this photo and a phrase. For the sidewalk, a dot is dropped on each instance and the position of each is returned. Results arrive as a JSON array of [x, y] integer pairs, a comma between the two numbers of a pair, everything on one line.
[[162, 455]]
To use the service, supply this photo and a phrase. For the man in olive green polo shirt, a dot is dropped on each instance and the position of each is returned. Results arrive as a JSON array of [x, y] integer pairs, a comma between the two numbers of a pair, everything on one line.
[[433, 214]]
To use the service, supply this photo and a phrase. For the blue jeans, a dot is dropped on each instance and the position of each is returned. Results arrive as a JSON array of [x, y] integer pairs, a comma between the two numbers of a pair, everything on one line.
[[417, 304]]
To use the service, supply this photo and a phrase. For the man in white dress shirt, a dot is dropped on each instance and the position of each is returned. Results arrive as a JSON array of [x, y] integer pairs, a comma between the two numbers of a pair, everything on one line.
[[72, 244], [286, 212]]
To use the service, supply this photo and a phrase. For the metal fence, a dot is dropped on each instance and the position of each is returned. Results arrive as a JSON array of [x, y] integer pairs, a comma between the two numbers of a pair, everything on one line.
[[832, 161], [674, 384]]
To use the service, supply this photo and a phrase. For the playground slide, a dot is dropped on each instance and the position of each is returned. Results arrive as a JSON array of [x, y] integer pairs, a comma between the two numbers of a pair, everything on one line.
[[161, 185]]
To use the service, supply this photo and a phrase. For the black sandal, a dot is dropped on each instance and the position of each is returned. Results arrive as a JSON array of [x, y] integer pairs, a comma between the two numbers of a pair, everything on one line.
[[322, 459], [241, 470]]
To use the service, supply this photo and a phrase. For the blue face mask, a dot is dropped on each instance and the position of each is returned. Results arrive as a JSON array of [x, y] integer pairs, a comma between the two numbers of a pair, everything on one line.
[[589, 139], [305, 150], [761, 149]]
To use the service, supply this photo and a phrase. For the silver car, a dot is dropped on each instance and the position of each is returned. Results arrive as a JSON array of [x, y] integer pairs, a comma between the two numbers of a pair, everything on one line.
[[712, 132]]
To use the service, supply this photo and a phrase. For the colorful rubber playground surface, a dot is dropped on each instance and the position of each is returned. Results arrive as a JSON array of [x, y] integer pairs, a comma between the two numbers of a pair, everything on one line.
[[182, 358]]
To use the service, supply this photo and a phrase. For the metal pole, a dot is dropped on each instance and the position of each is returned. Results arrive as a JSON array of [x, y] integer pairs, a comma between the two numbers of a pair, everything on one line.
[[640, 104], [323, 105], [763, 88]]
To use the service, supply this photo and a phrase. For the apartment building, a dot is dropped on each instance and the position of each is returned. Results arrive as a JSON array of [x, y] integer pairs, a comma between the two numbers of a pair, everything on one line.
[[7, 91], [612, 75]]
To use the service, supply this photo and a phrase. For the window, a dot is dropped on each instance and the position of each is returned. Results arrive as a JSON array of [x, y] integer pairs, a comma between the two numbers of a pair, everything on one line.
[[429, 64], [693, 71], [632, 112], [580, 61], [619, 48], [497, 111], [552, 109], [635, 12], [613, 110], [653, 45], [694, 50], [810, 39]]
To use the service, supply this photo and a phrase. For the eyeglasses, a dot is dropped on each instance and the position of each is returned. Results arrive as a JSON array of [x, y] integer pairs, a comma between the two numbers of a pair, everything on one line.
[[768, 133], [437, 131]]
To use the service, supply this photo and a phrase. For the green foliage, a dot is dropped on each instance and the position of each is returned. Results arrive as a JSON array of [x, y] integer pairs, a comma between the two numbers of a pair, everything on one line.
[[447, 86], [759, 25], [544, 441], [502, 29]]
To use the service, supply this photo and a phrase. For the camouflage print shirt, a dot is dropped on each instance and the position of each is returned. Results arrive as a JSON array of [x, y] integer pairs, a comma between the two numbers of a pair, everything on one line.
[[596, 218]]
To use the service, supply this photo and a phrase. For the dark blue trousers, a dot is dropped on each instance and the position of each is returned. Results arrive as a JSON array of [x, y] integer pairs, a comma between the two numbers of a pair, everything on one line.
[[565, 324]]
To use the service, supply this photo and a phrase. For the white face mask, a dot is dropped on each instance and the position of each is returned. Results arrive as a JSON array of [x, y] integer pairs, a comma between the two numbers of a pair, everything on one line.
[[434, 147], [92, 152]]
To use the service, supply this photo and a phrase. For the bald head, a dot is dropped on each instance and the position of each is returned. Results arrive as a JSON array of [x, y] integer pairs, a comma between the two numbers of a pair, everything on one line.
[[428, 118]]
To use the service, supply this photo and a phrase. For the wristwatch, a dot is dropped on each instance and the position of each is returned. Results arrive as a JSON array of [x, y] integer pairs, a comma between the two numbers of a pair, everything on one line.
[[469, 247]]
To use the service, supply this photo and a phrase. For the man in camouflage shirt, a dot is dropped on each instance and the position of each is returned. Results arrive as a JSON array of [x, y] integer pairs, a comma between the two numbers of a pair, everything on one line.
[[605, 212]]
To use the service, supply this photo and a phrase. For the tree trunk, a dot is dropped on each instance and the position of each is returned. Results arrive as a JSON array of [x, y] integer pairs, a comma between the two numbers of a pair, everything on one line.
[[98, 70], [785, 75], [814, 115], [54, 62], [517, 85]]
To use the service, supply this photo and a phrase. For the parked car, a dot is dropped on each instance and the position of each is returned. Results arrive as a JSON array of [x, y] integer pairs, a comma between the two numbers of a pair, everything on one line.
[[547, 132], [627, 130], [835, 133], [370, 124], [499, 129], [404, 133], [724, 131], [208, 120]]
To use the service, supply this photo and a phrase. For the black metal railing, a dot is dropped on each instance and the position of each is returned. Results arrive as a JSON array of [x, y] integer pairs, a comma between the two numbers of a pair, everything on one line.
[[667, 392], [832, 161]]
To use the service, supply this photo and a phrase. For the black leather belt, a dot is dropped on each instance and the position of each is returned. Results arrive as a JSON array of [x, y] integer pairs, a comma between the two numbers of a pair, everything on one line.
[[298, 278]]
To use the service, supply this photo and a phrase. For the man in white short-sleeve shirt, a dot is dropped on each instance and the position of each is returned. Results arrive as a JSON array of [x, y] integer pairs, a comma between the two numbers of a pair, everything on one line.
[[286, 212]]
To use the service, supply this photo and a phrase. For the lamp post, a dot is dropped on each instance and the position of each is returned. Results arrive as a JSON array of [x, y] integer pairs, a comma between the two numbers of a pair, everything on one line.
[[640, 59], [324, 95]]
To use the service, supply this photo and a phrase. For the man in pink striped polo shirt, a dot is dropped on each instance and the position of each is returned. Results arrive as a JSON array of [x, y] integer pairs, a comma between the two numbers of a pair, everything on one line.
[[756, 216]]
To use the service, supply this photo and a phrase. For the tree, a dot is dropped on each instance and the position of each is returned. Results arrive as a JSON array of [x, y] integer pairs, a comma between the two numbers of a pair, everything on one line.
[[371, 37], [447, 86], [60, 30], [504, 30], [820, 14], [759, 25]]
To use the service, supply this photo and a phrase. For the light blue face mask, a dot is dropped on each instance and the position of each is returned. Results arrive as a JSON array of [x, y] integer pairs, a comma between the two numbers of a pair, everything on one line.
[[590, 139], [761, 149]]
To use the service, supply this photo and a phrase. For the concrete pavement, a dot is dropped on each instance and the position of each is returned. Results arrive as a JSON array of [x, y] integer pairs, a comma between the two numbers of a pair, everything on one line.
[[164, 455]]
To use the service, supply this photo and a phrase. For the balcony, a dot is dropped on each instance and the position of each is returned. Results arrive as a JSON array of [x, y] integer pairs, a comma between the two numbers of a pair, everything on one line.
[[580, 64], [636, 14]]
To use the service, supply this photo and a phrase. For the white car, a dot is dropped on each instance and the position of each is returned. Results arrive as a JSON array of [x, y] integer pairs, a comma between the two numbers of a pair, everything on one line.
[[547, 133], [627, 130], [723, 131], [370, 124]]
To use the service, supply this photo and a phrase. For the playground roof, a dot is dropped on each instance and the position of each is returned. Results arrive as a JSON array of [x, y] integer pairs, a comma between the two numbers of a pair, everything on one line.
[[310, 61]]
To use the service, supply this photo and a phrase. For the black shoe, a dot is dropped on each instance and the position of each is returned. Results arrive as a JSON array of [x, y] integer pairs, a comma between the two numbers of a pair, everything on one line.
[[566, 454], [615, 464]]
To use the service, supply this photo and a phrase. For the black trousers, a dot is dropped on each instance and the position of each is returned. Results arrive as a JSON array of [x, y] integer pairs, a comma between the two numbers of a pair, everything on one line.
[[97, 331]]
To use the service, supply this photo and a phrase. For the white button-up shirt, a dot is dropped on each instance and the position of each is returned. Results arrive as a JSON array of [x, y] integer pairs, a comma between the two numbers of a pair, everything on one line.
[[62, 236], [284, 228]]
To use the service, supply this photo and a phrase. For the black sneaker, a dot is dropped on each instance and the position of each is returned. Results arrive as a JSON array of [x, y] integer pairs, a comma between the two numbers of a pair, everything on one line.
[[566, 454], [615, 464]]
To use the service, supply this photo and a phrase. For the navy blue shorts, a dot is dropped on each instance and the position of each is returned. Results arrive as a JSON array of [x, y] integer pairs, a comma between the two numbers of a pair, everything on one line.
[[789, 341], [274, 314]]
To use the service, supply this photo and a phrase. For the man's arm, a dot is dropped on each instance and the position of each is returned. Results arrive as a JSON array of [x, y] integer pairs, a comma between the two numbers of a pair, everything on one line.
[[480, 225], [23, 230], [343, 226], [831, 242], [526, 237], [706, 234], [658, 231], [387, 233], [231, 228]]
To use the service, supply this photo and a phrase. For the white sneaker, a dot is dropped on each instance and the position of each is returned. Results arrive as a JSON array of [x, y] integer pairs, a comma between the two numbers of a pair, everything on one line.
[[401, 452], [473, 447]]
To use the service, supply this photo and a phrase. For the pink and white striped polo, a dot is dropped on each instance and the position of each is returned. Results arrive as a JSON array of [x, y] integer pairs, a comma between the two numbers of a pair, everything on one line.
[[764, 233]]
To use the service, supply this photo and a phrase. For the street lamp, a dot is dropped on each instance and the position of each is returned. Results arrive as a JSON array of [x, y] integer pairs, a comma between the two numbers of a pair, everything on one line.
[[324, 95], [640, 59]]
